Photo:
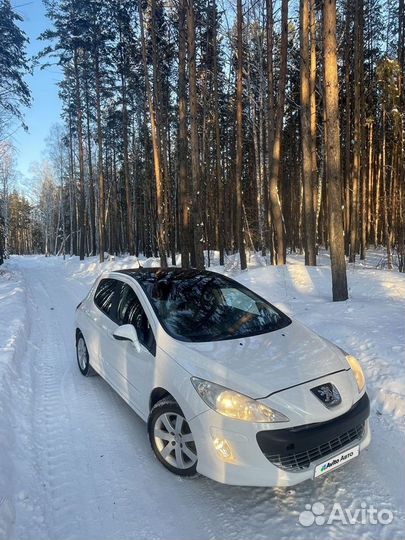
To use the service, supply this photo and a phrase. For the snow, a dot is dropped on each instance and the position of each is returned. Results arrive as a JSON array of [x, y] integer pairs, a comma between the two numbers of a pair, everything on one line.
[[12, 326], [75, 461]]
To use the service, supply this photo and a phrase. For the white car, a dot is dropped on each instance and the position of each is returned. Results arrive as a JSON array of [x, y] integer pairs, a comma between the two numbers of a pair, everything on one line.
[[230, 387]]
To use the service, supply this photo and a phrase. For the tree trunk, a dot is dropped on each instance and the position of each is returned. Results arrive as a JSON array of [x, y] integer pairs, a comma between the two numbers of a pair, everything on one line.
[[269, 129], [79, 119], [358, 180], [306, 137], [156, 149], [92, 201], [184, 208], [197, 225], [370, 125], [401, 149], [384, 182], [72, 193], [239, 140], [348, 130], [377, 208], [274, 137], [129, 227], [312, 91], [160, 109], [333, 174], [218, 172], [101, 188]]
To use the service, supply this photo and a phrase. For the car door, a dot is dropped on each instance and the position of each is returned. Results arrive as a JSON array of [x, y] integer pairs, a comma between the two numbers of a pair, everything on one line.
[[136, 368], [105, 300]]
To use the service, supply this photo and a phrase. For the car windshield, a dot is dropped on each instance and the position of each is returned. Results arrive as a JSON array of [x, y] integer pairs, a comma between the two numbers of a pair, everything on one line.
[[209, 307]]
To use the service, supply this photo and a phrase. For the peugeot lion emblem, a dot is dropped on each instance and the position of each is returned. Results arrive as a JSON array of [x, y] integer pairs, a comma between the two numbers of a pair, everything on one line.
[[328, 394]]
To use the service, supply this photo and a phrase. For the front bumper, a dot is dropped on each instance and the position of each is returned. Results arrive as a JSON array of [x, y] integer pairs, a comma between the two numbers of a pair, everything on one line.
[[264, 456]]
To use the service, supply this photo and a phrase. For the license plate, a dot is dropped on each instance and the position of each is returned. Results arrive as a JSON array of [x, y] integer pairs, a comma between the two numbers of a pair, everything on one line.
[[337, 461]]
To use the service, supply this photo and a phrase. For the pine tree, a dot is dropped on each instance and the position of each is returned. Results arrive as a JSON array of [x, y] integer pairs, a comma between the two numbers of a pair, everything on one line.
[[333, 173], [14, 65]]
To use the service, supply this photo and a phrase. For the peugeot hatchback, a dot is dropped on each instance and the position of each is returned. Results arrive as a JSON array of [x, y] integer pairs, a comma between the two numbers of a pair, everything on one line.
[[230, 387]]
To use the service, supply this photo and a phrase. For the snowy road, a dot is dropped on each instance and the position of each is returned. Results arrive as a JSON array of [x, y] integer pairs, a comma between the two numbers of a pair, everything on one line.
[[84, 469]]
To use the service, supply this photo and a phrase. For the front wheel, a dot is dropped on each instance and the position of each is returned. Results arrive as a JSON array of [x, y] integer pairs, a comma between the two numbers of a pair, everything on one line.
[[171, 438], [82, 356]]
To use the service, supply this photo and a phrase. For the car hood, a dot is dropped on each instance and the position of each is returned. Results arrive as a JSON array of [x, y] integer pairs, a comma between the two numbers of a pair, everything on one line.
[[260, 365]]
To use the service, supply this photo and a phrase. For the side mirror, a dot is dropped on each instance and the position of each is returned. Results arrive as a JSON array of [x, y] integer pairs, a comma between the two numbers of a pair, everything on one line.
[[127, 332]]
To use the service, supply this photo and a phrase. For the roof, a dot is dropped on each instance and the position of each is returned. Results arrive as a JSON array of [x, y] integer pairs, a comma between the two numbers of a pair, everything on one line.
[[167, 274]]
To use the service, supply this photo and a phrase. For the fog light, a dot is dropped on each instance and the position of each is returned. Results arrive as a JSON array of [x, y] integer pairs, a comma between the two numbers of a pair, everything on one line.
[[223, 448]]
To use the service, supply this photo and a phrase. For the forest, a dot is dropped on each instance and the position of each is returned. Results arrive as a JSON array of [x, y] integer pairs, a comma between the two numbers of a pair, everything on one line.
[[267, 126]]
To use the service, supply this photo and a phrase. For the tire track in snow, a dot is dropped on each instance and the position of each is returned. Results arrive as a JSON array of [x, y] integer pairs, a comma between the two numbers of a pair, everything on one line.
[[55, 453], [19, 408]]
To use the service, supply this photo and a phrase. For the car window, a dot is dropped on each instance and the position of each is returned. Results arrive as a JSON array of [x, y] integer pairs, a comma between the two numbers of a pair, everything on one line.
[[130, 311], [210, 307], [104, 296]]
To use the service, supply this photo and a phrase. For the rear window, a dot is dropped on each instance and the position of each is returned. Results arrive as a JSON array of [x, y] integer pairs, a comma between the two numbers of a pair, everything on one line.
[[104, 296]]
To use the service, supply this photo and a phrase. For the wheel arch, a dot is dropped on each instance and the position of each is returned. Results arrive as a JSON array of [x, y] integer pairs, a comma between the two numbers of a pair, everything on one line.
[[157, 394]]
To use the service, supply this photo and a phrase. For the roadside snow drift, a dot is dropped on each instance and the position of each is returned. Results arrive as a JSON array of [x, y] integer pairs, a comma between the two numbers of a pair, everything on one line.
[[12, 343]]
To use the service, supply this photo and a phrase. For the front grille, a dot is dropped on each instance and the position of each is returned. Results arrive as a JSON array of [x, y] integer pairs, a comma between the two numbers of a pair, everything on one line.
[[302, 460]]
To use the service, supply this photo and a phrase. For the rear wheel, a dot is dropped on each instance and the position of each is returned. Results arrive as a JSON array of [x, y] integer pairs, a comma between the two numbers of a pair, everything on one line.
[[171, 438], [82, 356]]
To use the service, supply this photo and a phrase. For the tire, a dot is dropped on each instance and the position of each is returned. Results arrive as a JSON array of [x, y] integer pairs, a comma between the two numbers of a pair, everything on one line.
[[171, 438], [82, 356]]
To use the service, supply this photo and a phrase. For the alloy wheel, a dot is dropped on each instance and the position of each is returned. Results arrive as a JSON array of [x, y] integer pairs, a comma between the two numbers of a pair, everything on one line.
[[82, 353], [174, 440]]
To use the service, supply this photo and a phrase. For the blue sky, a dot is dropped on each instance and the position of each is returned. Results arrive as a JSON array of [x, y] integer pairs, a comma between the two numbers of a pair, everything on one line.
[[46, 106]]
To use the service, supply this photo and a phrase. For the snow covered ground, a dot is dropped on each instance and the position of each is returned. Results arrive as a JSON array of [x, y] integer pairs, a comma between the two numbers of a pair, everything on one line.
[[75, 461]]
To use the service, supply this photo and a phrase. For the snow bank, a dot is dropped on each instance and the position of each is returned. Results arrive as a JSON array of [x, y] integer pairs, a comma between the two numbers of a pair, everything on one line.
[[12, 344]]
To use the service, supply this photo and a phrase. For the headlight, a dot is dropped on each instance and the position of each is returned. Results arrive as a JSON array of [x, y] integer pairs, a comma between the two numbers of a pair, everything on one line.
[[357, 371], [235, 405]]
